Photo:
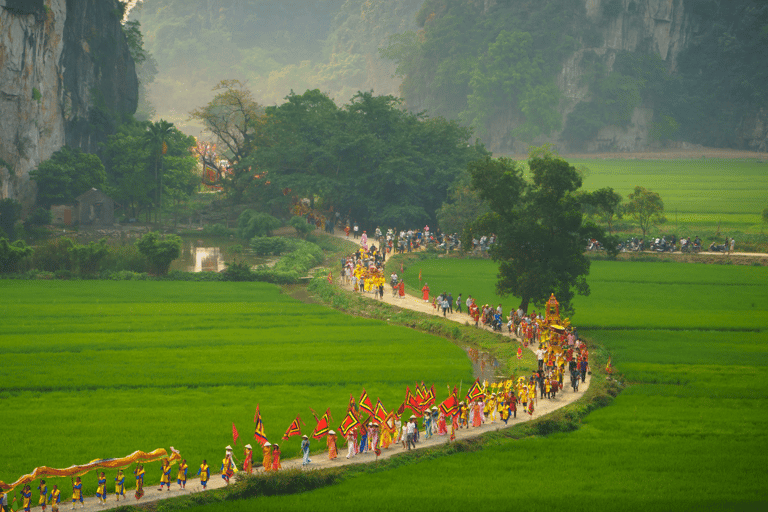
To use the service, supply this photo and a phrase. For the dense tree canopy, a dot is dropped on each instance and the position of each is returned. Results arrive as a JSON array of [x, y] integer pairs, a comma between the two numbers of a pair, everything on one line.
[[137, 167], [540, 228], [67, 174], [370, 160]]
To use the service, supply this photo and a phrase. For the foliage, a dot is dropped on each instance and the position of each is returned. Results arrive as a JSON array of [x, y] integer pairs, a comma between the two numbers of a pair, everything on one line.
[[370, 158], [511, 73], [159, 252], [265, 245], [252, 223], [646, 207], [67, 174], [12, 253], [87, 258], [541, 235], [218, 230], [493, 65], [302, 227], [606, 203], [10, 210], [136, 166], [39, 217], [234, 118], [237, 271], [463, 205], [53, 255]]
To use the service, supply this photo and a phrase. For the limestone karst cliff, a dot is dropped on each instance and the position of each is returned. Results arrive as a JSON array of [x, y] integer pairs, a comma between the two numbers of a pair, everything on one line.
[[66, 75]]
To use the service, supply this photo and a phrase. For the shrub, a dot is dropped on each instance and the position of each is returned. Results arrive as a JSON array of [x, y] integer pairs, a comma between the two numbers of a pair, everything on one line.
[[252, 223], [12, 254], [265, 245], [218, 230], [126, 258], [237, 271], [54, 255], [39, 217], [302, 227], [159, 252], [88, 258]]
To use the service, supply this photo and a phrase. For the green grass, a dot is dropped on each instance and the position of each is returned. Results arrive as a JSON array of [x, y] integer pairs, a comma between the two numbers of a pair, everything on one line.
[[688, 433], [98, 369], [698, 194]]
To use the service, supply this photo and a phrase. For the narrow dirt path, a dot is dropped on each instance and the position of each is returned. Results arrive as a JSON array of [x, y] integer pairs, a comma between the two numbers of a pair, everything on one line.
[[321, 461]]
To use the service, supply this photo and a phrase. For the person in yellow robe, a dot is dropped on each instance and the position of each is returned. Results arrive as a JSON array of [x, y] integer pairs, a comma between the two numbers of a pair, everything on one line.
[[267, 451], [165, 478], [181, 477], [101, 489], [331, 441], [77, 492], [55, 498], [26, 498], [139, 472], [120, 485], [43, 501], [205, 473]]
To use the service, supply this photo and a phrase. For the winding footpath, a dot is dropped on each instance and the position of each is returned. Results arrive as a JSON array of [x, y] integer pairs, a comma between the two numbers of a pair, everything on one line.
[[320, 460]]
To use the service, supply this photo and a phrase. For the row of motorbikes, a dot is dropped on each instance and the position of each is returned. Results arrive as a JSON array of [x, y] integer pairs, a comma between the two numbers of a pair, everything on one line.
[[662, 244]]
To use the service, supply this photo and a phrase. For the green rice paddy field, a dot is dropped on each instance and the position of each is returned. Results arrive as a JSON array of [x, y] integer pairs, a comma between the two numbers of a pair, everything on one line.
[[690, 432], [697, 194], [99, 369]]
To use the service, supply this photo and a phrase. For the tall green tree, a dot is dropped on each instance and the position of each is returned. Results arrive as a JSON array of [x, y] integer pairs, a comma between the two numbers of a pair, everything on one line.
[[67, 174], [646, 207], [540, 228], [155, 139], [607, 205], [234, 118]]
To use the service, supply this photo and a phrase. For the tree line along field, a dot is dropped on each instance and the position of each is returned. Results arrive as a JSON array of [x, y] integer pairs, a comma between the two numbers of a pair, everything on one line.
[[689, 432], [701, 194], [99, 369]]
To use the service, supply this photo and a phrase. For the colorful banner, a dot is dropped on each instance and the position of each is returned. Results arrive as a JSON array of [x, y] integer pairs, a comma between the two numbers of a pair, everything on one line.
[[80, 470]]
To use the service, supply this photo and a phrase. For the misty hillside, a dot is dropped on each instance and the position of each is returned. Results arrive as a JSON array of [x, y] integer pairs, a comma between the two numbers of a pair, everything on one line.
[[589, 75], [331, 45]]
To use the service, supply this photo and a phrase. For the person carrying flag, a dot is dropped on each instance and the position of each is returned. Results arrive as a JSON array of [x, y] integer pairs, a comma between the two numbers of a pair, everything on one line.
[[165, 478], [120, 485], [26, 498], [101, 490], [43, 494], [77, 493], [55, 498], [139, 472]]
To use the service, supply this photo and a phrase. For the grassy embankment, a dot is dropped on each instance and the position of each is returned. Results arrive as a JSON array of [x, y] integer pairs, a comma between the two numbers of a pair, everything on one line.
[[98, 369]]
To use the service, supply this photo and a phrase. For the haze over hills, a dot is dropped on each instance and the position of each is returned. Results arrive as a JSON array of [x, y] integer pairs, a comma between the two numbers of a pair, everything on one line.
[[590, 75], [275, 47]]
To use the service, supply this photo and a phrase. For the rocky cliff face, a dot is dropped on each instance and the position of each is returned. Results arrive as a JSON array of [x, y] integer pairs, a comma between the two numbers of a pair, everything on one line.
[[66, 74]]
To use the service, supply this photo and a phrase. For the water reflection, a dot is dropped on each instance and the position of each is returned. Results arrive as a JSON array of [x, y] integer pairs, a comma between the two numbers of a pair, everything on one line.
[[484, 365], [199, 259]]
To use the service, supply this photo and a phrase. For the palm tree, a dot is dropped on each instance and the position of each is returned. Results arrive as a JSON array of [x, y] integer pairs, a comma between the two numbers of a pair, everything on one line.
[[155, 138]]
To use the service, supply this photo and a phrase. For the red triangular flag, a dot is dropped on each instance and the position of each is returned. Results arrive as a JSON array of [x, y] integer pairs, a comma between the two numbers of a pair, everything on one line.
[[235, 435]]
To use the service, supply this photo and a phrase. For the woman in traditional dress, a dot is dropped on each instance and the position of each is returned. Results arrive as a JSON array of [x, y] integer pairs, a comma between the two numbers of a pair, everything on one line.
[[425, 292], [120, 485], [401, 289], [101, 489], [276, 458], [331, 441], [477, 414], [165, 478], [266, 450], [248, 459], [442, 428]]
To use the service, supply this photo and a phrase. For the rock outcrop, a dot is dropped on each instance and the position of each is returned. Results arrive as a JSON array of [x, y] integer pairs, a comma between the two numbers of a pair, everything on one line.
[[66, 75]]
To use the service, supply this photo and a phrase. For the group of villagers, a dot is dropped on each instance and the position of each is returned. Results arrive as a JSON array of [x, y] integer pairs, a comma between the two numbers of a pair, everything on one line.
[[364, 271]]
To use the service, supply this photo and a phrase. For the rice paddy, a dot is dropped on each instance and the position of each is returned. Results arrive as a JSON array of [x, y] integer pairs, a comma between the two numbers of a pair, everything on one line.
[[99, 369], [688, 433]]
